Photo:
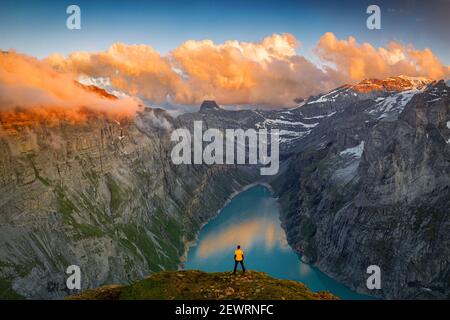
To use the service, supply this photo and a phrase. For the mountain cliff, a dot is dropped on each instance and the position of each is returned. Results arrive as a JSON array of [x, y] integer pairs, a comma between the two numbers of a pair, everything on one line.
[[370, 185], [364, 180], [102, 195]]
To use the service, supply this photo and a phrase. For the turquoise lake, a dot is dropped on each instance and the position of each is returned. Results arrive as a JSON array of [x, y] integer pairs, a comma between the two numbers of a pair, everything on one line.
[[251, 219]]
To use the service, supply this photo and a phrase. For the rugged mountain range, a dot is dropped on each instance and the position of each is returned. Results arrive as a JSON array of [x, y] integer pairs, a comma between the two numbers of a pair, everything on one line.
[[371, 185], [364, 180]]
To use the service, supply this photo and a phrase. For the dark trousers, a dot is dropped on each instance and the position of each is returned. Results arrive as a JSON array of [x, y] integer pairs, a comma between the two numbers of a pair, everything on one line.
[[236, 264]]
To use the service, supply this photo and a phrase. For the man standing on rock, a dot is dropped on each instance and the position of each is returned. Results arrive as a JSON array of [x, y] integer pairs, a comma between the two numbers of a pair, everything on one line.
[[238, 258]]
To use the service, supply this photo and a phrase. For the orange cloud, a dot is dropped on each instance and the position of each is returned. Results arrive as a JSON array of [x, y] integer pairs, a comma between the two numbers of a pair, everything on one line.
[[266, 73], [31, 89], [352, 61], [135, 69]]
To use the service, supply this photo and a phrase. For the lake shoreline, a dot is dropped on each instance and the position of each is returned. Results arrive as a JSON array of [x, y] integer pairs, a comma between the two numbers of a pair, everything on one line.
[[289, 265], [189, 244]]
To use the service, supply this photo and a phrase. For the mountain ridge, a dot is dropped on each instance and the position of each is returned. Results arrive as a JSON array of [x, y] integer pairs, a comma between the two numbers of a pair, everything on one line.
[[198, 285]]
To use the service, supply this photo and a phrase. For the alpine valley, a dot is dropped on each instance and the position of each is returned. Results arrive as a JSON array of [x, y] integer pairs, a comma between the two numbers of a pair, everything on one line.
[[364, 179]]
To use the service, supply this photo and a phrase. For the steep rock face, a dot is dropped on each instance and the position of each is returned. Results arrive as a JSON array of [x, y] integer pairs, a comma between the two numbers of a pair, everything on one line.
[[102, 195], [369, 189]]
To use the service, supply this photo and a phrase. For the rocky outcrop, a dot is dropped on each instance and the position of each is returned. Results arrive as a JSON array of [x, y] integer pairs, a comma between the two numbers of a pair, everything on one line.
[[197, 285], [209, 105]]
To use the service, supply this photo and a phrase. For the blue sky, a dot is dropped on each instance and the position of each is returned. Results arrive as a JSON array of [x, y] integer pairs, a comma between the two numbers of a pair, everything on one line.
[[39, 27]]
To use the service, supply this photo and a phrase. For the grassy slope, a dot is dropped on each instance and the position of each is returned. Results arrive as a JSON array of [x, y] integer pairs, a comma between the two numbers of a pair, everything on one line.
[[201, 285]]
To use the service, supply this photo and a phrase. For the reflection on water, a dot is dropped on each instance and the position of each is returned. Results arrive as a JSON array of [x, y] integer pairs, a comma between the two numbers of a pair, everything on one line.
[[258, 231], [251, 220]]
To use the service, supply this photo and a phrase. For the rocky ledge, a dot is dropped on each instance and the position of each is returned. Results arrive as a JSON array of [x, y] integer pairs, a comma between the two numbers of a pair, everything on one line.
[[198, 285]]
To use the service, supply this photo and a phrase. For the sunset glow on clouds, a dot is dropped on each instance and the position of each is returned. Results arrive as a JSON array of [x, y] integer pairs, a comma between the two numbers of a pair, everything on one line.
[[354, 62], [29, 86], [266, 73]]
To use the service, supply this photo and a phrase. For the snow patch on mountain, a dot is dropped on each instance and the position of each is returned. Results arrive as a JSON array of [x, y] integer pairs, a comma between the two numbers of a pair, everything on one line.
[[287, 136], [329, 97], [388, 108], [356, 151], [416, 82], [291, 123], [102, 83], [321, 116]]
